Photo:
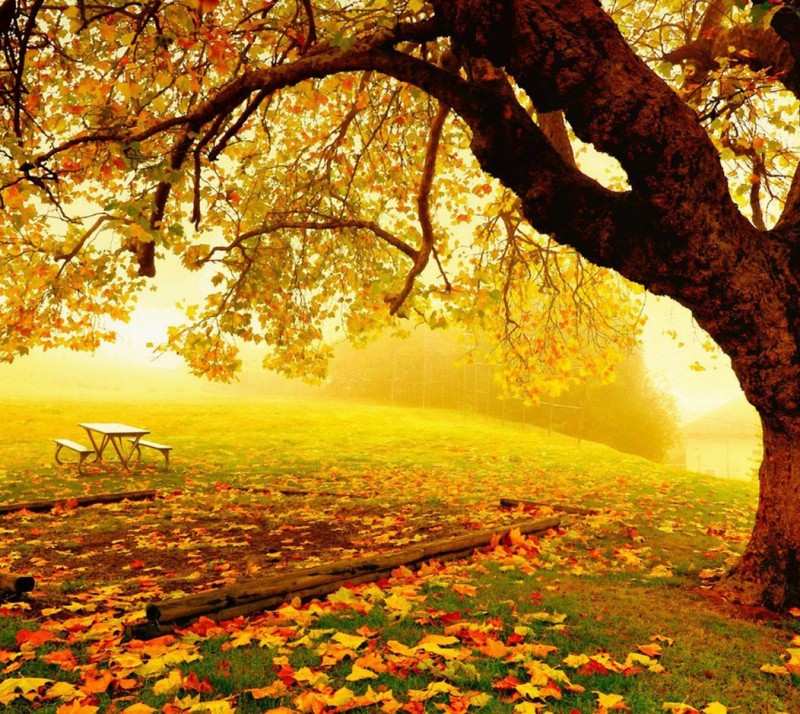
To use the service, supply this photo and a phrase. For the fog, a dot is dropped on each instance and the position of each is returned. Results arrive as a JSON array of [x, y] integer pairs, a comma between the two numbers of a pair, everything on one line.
[[129, 369]]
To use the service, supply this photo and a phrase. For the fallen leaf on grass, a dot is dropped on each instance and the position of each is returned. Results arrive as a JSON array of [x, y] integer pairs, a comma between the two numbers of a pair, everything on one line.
[[775, 669], [609, 702], [76, 707], [138, 708], [10, 689], [220, 706], [358, 674], [351, 641], [274, 691], [715, 708]]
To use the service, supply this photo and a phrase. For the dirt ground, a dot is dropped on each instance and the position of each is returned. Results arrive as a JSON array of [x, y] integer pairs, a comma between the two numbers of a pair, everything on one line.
[[190, 541]]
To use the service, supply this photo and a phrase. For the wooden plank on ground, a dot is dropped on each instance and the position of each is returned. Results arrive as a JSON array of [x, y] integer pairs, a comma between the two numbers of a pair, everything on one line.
[[563, 507], [265, 593], [46, 505]]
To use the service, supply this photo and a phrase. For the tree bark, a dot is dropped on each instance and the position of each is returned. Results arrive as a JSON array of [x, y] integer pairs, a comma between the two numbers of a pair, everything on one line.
[[769, 571]]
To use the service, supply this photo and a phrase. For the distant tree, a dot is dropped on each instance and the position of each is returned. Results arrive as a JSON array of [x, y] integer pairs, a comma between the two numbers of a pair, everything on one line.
[[626, 411], [630, 413], [286, 133]]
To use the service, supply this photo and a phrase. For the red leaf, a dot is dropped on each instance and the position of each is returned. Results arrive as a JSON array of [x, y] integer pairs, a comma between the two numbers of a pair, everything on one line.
[[593, 667], [286, 675], [451, 617], [192, 681], [508, 682]]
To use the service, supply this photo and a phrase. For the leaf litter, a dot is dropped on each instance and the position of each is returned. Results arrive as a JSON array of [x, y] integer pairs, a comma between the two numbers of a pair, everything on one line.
[[97, 567]]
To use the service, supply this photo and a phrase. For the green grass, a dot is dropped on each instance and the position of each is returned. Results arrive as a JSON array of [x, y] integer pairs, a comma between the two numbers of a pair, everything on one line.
[[620, 578]]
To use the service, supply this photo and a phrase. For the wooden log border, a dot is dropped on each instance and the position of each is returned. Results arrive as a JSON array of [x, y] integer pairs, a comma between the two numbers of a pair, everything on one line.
[[48, 504], [563, 507], [265, 593], [16, 583]]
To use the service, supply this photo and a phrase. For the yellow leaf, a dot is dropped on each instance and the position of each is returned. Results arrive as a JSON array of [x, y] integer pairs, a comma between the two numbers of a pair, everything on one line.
[[344, 595], [310, 677], [715, 708], [65, 691], [138, 708], [479, 699], [555, 618], [23, 684], [575, 661], [351, 641], [359, 673], [220, 706], [434, 688], [397, 602], [774, 669], [528, 708], [341, 697], [170, 684], [610, 701], [529, 690]]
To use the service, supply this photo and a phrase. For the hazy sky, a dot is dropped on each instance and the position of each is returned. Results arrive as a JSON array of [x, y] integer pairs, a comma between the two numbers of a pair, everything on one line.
[[669, 360]]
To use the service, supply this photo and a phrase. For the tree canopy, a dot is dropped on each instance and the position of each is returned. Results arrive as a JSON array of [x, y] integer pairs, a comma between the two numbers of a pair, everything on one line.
[[255, 142], [331, 163]]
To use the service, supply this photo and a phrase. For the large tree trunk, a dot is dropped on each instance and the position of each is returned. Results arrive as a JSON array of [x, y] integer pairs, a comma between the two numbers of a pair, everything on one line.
[[769, 571]]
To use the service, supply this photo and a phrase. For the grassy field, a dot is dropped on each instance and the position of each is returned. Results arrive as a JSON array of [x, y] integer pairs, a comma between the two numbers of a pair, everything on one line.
[[612, 611]]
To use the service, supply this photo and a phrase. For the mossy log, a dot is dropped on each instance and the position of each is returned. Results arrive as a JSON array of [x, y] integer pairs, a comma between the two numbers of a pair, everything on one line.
[[265, 593], [48, 504]]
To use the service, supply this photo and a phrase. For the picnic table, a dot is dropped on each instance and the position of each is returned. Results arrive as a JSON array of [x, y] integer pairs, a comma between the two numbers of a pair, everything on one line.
[[101, 434]]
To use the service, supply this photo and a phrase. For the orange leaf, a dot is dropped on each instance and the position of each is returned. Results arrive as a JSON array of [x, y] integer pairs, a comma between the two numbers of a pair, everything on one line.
[[97, 684], [63, 658], [75, 707], [34, 639], [138, 708]]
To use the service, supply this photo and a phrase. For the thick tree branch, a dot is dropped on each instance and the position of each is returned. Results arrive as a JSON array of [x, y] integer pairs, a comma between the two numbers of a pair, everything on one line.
[[614, 101], [423, 209]]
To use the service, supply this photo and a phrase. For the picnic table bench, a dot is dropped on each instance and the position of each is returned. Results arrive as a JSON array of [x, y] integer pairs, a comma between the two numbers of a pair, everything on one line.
[[163, 448], [80, 449]]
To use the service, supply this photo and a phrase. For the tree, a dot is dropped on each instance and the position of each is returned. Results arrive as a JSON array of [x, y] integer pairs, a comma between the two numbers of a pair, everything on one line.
[[290, 130], [631, 414]]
